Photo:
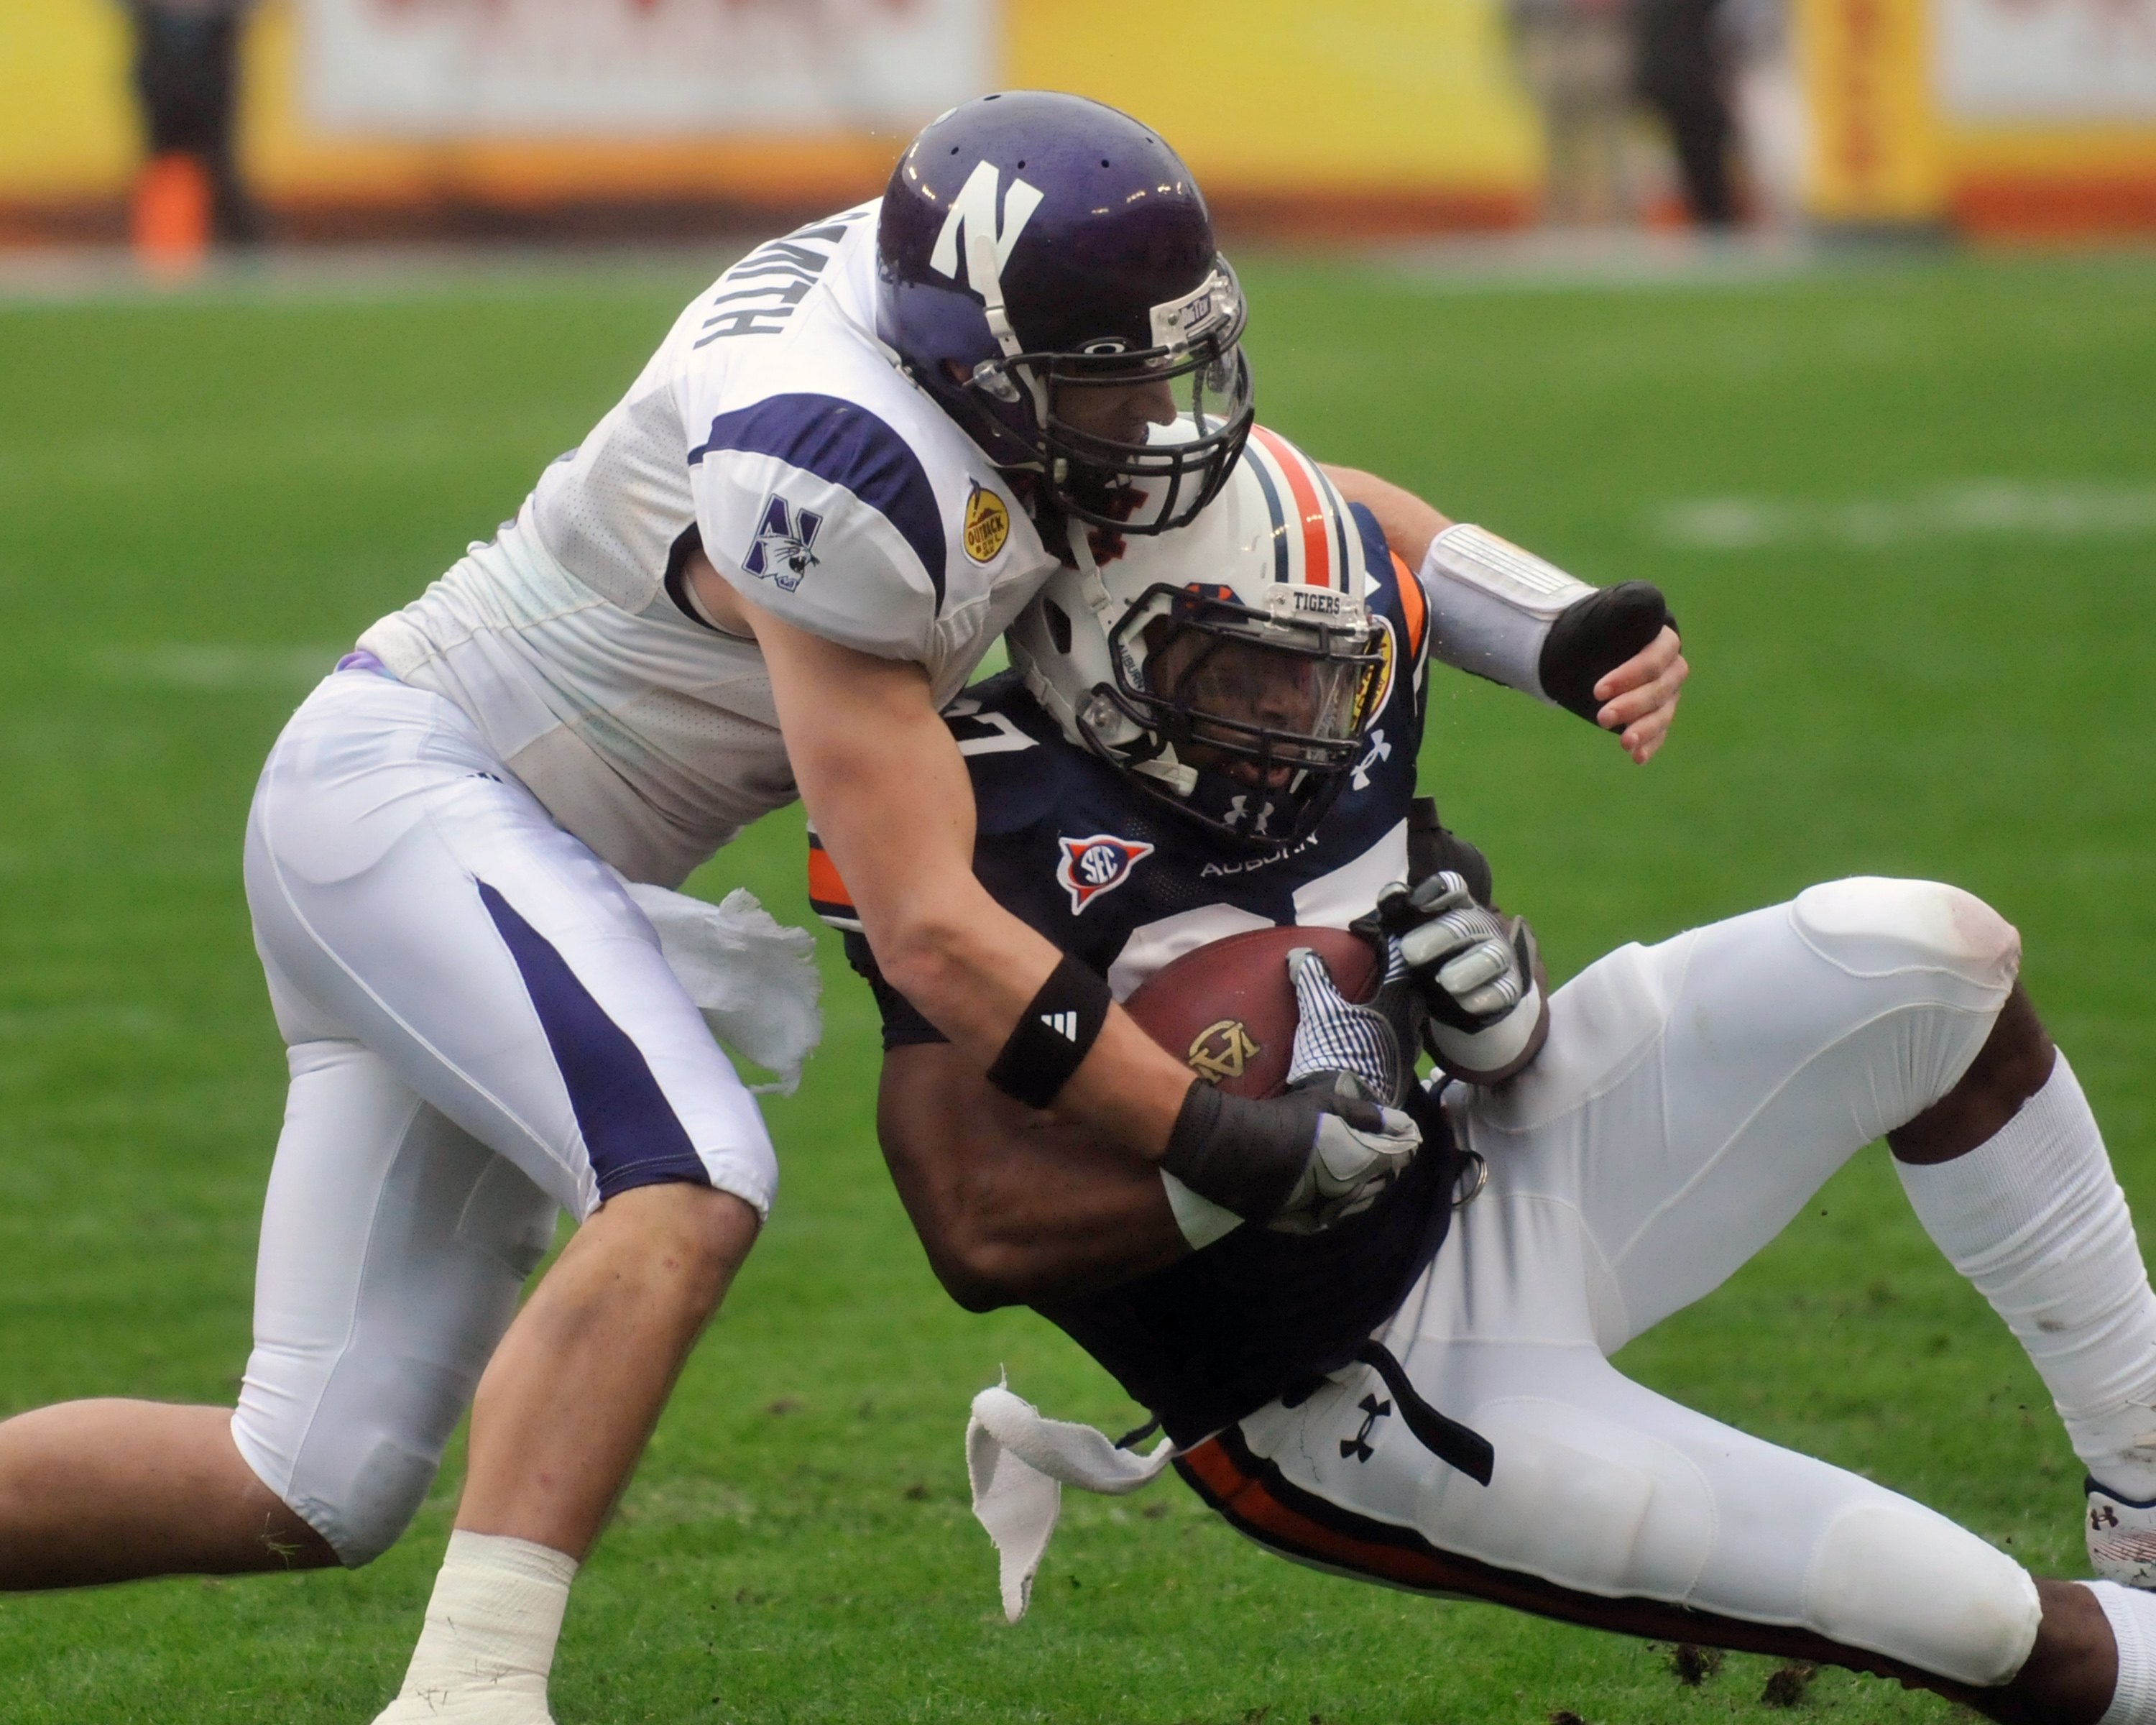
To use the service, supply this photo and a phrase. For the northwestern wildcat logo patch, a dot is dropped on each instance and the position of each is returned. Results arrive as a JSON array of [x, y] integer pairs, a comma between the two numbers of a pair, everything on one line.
[[784, 549], [1098, 864]]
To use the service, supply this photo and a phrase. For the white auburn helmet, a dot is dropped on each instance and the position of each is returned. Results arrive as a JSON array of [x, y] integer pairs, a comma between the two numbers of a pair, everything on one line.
[[1228, 668]]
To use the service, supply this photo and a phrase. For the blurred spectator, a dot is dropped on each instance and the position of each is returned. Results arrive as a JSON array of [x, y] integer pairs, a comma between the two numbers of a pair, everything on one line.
[[187, 55], [1768, 103], [1575, 58], [1678, 63]]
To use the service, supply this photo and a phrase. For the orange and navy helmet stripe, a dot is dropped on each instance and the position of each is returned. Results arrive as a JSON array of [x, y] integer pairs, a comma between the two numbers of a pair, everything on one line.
[[1340, 540], [1303, 520], [828, 896]]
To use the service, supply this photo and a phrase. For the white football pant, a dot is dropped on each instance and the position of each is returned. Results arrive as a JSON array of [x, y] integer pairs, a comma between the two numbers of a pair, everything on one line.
[[481, 1029], [1691, 1098]]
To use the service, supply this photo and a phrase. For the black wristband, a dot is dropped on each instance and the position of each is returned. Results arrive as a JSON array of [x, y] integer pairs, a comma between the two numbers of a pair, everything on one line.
[[1245, 1156], [1053, 1034], [1595, 636]]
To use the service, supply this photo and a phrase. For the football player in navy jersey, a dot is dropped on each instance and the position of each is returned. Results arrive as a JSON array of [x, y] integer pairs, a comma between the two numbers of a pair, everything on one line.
[[1217, 732]]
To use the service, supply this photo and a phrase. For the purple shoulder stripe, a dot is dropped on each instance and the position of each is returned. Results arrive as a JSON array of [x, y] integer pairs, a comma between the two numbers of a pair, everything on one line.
[[842, 442]]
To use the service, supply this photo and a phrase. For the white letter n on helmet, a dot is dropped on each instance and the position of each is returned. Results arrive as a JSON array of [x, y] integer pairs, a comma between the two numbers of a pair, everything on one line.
[[974, 210]]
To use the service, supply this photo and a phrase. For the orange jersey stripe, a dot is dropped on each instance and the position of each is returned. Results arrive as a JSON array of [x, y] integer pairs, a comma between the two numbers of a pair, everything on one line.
[[1413, 606], [825, 884], [1249, 1501], [1316, 542], [1403, 1556]]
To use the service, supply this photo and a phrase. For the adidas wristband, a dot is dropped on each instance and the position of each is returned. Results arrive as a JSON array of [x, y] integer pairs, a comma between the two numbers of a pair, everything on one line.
[[1053, 1034]]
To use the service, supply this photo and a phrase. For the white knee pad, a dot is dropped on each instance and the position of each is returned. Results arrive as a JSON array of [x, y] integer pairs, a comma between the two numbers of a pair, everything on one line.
[[361, 1510], [394, 1246], [1870, 926], [1894, 1578], [1590, 1503]]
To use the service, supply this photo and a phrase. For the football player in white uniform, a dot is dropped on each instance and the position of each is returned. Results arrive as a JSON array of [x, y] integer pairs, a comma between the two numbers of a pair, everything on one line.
[[1420, 1394], [851, 463]]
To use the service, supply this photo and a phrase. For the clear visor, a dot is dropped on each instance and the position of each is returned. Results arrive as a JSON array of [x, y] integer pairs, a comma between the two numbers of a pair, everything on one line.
[[1157, 444], [1108, 410], [1231, 688]]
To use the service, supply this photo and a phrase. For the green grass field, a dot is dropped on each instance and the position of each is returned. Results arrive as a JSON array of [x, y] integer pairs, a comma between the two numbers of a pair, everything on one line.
[[1907, 514]]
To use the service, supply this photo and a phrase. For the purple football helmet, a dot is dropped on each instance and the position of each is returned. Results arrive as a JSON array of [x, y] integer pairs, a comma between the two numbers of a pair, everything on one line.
[[1046, 271]]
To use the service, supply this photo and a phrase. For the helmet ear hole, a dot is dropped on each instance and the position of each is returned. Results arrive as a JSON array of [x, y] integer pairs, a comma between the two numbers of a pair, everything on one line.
[[1059, 624]]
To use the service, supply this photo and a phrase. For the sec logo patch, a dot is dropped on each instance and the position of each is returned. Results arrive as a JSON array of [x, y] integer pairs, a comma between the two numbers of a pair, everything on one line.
[[987, 523], [1101, 864]]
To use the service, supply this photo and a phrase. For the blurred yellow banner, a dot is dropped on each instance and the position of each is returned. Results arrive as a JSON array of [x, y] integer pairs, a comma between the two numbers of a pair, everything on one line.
[[1876, 154]]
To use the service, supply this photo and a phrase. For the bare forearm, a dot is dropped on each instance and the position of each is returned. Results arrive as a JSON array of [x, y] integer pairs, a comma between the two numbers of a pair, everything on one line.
[[1408, 523], [889, 793], [1012, 1205]]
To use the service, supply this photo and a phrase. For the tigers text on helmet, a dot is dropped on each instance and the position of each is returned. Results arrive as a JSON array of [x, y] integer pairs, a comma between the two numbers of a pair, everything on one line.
[[1231, 668], [1046, 270]]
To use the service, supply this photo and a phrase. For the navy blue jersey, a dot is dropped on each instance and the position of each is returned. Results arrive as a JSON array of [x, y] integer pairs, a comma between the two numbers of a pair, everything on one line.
[[1124, 883]]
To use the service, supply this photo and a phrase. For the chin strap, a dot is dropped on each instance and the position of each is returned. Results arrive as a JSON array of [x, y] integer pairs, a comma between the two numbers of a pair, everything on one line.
[[986, 279]]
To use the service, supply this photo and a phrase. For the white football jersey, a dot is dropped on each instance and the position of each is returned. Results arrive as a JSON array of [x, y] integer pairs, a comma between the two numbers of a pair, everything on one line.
[[773, 428]]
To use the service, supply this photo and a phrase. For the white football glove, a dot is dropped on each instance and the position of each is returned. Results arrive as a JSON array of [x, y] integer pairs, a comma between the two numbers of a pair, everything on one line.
[[1334, 1034], [1359, 1149], [1474, 971]]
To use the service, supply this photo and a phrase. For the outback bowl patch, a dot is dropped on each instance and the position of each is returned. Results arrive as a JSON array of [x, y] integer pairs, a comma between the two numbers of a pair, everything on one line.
[[987, 523], [1101, 864]]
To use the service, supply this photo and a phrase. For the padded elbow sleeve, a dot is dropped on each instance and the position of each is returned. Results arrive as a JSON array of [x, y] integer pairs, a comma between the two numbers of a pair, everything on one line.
[[1515, 618]]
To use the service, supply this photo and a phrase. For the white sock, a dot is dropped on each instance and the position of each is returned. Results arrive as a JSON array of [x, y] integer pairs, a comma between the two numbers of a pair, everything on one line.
[[2034, 1219], [2132, 1616], [490, 1635]]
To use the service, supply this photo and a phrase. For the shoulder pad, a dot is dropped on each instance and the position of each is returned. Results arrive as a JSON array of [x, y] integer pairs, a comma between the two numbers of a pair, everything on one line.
[[796, 483]]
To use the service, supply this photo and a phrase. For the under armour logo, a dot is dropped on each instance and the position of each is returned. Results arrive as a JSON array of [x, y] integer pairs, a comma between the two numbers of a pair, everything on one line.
[[1358, 1446], [1239, 811], [784, 549], [2101, 1516], [1063, 1023], [973, 212], [1380, 750]]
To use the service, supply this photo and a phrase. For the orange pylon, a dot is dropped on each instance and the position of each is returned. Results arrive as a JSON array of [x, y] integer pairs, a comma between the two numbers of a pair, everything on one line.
[[171, 224]]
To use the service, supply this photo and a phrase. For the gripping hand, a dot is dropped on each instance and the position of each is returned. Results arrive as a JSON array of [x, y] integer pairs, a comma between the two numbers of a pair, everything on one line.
[[1297, 1163], [1474, 971], [1333, 1035]]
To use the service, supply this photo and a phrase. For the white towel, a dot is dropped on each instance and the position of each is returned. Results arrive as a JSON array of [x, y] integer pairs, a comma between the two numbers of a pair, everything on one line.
[[1019, 1463], [753, 978]]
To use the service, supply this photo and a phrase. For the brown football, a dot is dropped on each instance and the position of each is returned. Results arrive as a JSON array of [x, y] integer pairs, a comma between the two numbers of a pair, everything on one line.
[[1226, 1010]]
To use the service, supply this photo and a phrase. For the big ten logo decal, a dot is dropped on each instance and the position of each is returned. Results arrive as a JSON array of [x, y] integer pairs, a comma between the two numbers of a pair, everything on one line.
[[1091, 866], [987, 523], [1220, 1052], [758, 295]]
